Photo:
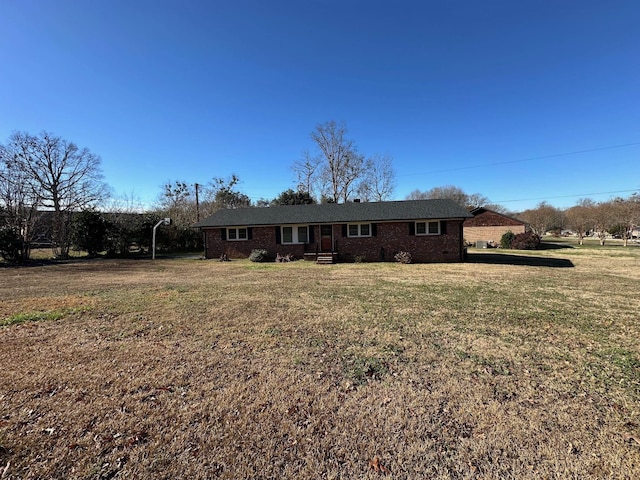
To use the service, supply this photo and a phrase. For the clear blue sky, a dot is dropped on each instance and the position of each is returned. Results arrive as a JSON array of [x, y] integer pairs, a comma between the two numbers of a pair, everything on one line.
[[461, 93]]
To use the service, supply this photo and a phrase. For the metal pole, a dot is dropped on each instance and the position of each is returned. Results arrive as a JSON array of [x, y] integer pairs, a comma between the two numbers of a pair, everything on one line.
[[153, 248]]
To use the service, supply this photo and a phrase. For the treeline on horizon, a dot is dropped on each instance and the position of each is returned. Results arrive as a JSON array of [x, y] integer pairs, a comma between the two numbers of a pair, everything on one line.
[[53, 193]]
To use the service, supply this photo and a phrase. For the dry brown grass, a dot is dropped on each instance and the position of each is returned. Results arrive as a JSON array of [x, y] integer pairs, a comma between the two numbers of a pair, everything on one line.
[[200, 369]]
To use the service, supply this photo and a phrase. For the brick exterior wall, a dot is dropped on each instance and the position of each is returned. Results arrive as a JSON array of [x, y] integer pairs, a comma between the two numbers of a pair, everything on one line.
[[261, 237], [490, 226], [390, 238], [489, 234]]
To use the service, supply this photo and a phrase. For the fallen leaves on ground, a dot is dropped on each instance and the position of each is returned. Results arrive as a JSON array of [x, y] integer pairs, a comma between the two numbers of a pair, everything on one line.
[[377, 466], [631, 438]]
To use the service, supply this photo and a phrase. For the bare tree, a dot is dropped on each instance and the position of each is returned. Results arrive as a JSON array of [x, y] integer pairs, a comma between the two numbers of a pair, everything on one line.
[[542, 218], [175, 194], [351, 175], [635, 201], [338, 172], [497, 208], [19, 204], [477, 200], [63, 177], [626, 214], [417, 194], [307, 172], [177, 201], [452, 193], [378, 181], [603, 220], [580, 218], [340, 163], [126, 202]]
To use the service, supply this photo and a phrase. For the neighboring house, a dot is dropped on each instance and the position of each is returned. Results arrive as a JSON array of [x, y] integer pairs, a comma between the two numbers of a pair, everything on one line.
[[430, 230], [489, 226]]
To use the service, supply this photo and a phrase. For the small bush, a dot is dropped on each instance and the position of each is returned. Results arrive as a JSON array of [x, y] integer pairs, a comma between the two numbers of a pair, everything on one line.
[[507, 239], [10, 245], [526, 241], [359, 259], [403, 257], [259, 255]]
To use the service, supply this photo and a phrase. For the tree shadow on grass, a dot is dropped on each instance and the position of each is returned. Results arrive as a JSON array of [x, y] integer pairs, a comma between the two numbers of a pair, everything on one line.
[[522, 260], [546, 245], [51, 262]]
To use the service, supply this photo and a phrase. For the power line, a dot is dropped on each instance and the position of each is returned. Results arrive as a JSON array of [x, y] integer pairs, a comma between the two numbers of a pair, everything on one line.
[[584, 195], [565, 196], [529, 159]]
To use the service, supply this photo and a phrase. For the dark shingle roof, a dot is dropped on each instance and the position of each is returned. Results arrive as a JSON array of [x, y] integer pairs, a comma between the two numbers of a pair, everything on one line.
[[336, 213], [478, 210]]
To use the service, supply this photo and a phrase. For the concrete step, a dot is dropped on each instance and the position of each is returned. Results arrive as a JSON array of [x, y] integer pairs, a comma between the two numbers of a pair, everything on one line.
[[325, 260]]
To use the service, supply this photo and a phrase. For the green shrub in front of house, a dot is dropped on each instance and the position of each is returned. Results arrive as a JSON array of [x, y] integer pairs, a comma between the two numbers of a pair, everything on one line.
[[507, 239]]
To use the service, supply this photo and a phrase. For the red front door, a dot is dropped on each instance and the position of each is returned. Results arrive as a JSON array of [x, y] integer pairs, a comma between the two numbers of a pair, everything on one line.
[[326, 238]]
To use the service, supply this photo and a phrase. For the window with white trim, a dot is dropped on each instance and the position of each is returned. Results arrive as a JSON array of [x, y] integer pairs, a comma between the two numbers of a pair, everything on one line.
[[359, 230], [295, 234], [428, 228], [237, 233]]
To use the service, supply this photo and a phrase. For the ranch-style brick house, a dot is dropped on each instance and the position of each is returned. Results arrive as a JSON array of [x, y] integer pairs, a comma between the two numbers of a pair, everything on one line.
[[430, 230], [489, 226]]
